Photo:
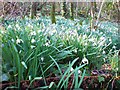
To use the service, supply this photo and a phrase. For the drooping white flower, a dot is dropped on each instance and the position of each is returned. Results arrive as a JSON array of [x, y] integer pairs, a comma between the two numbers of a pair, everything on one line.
[[32, 46], [101, 43], [102, 38], [85, 60], [17, 26], [9, 26], [101, 33], [12, 40], [19, 41], [24, 64], [30, 77], [103, 52], [30, 26], [94, 44], [79, 72], [33, 41], [72, 33], [84, 36], [93, 30], [39, 31], [42, 59], [75, 50], [114, 47], [71, 69], [91, 40], [54, 31], [46, 44], [2, 31], [117, 69], [33, 33], [86, 44], [110, 40]]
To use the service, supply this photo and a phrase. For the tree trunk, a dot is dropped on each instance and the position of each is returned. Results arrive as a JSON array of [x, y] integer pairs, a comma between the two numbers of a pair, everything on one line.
[[77, 9], [53, 13], [71, 11], [33, 10], [64, 9]]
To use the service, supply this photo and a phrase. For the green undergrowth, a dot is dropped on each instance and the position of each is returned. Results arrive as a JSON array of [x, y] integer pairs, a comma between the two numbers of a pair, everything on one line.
[[38, 48]]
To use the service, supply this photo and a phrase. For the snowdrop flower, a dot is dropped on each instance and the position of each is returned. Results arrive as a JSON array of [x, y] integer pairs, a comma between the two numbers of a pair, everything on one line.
[[20, 51], [32, 46], [84, 36], [30, 26], [102, 38], [17, 26], [91, 39], [2, 32], [79, 72], [33, 33], [30, 77], [103, 52], [117, 69], [37, 23], [12, 40], [24, 64], [54, 31], [62, 27], [9, 26], [93, 30], [33, 41], [51, 31], [101, 32], [114, 47], [42, 59], [39, 31], [110, 40], [86, 44], [85, 60], [19, 41], [101, 43], [72, 33], [94, 44], [75, 50], [71, 69], [47, 44]]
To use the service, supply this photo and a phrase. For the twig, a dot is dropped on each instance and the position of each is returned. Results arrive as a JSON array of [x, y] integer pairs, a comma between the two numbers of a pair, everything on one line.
[[99, 12]]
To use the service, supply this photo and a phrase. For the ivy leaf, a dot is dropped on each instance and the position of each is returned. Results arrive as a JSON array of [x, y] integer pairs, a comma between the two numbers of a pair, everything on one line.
[[100, 78]]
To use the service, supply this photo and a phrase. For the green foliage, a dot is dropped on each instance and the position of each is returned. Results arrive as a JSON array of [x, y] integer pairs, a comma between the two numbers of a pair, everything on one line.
[[33, 48]]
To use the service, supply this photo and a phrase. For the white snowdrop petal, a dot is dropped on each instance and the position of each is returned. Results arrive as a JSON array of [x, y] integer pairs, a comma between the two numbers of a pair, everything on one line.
[[42, 59], [85, 60], [71, 69], [23, 63], [33, 41]]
